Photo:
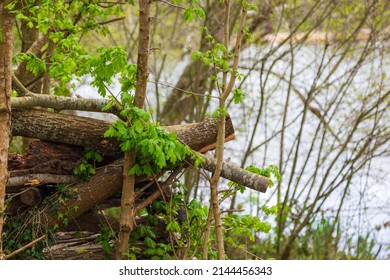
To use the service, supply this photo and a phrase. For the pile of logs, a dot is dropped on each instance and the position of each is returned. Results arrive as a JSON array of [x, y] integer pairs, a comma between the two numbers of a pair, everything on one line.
[[57, 148]]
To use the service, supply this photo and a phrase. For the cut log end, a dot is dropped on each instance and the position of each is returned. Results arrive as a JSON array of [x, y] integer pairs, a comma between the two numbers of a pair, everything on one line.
[[31, 197]]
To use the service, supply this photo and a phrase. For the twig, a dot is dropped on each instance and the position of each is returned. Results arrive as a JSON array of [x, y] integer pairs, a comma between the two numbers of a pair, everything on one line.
[[32, 243], [157, 193], [170, 4], [22, 90], [182, 90]]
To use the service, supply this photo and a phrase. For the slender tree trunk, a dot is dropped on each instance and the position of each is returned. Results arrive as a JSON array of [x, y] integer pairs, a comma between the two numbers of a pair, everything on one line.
[[127, 203], [225, 91], [214, 203], [6, 44]]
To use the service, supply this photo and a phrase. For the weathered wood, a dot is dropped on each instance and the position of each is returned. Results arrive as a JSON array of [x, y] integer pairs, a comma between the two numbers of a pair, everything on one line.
[[31, 197], [61, 128], [45, 158], [235, 173], [77, 245], [16, 183], [107, 181], [88, 132]]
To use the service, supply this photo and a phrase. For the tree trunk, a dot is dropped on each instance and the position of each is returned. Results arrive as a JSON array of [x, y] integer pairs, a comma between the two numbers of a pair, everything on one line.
[[127, 218], [6, 43], [179, 104], [107, 181], [87, 132]]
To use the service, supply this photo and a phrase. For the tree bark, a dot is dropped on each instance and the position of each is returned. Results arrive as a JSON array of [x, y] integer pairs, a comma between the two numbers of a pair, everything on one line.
[[182, 101], [7, 21], [127, 217], [81, 131], [107, 181], [87, 132], [236, 174]]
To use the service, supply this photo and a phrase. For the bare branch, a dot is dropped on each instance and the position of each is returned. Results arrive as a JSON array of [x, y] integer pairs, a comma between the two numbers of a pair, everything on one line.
[[32, 243]]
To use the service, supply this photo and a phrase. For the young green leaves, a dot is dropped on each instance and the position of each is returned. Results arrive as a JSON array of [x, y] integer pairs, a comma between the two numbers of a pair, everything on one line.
[[156, 148]]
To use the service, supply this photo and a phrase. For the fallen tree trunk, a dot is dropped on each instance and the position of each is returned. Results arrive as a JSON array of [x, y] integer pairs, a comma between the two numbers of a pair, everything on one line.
[[107, 181], [104, 184], [236, 174], [88, 132], [14, 183]]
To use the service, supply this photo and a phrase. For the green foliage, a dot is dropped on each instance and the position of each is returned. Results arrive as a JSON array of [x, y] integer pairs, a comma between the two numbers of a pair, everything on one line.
[[19, 234], [108, 63], [194, 226], [249, 6], [273, 210], [88, 164], [361, 247], [183, 223], [105, 239], [219, 112], [191, 13], [155, 250], [64, 193], [188, 233], [238, 95], [244, 226], [156, 148], [269, 172], [64, 22], [217, 57], [33, 64]]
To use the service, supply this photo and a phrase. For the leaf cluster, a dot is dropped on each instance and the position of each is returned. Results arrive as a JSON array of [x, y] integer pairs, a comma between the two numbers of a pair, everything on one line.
[[64, 23], [156, 149], [217, 56], [88, 164], [244, 226]]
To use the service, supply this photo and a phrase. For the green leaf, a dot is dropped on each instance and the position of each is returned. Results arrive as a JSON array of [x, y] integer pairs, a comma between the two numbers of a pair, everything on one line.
[[219, 112], [160, 160], [110, 132], [149, 242], [135, 170], [250, 6], [197, 55], [126, 145], [138, 127], [11, 5], [188, 14], [171, 156], [238, 96], [147, 170], [173, 226], [200, 13]]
